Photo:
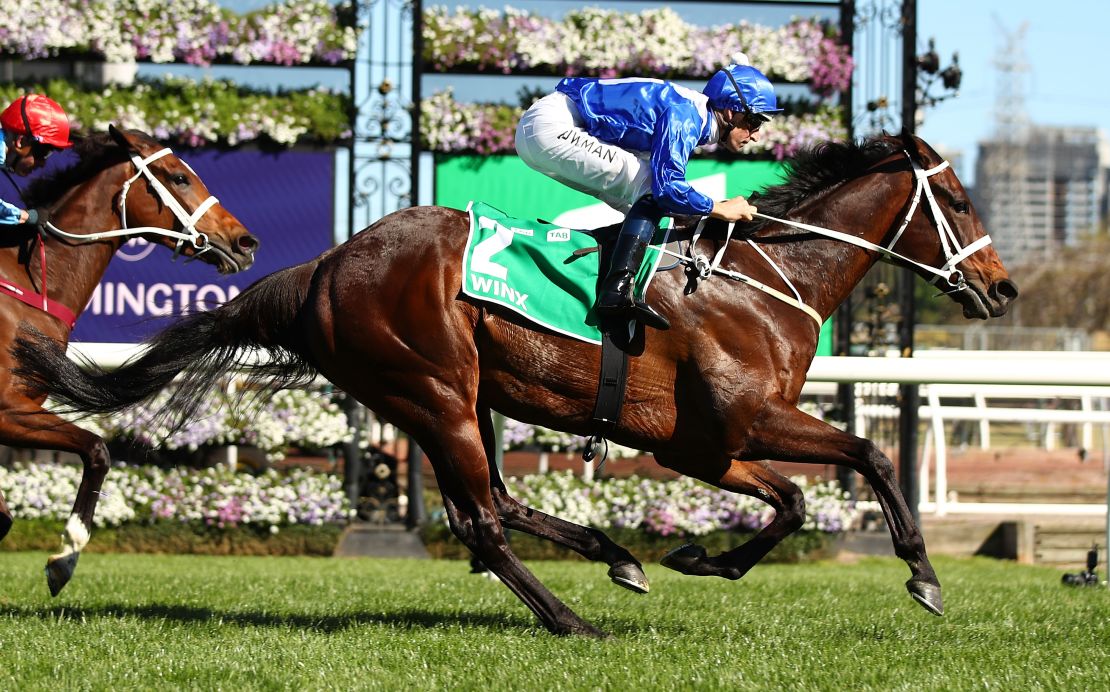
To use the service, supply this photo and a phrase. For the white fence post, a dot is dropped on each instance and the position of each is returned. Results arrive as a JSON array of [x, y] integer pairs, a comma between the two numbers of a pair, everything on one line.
[[984, 423], [941, 493]]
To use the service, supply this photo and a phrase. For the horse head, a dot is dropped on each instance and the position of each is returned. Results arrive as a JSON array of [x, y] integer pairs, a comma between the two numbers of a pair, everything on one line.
[[174, 198], [947, 234]]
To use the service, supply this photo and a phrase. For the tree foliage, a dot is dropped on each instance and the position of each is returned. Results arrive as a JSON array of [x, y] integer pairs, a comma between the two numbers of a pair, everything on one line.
[[1072, 289]]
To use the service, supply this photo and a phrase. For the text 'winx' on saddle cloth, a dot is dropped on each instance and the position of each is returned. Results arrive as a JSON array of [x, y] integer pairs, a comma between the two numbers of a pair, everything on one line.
[[530, 267]]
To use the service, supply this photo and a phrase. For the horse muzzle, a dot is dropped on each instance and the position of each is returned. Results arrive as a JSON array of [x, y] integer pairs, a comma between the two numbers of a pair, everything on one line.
[[228, 258], [993, 301]]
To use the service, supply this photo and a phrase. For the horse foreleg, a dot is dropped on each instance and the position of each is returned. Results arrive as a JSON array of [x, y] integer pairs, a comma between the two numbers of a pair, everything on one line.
[[5, 517], [624, 569], [758, 480], [39, 429], [785, 433]]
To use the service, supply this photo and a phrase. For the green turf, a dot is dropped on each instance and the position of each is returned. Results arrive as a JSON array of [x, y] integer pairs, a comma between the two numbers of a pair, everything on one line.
[[158, 622]]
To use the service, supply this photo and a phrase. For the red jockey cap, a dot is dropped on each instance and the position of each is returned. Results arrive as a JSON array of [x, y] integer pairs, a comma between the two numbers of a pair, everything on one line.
[[38, 116]]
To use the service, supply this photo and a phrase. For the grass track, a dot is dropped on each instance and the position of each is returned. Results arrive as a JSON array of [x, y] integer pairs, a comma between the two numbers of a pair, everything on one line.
[[146, 621]]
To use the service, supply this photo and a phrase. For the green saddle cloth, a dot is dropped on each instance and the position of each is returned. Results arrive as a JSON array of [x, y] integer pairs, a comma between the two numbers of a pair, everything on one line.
[[530, 267]]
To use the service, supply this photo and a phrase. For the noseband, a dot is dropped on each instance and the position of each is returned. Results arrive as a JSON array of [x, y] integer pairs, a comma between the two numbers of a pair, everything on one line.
[[188, 221]]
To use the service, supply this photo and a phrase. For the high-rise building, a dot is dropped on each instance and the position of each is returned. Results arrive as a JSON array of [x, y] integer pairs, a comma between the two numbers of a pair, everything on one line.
[[1043, 192]]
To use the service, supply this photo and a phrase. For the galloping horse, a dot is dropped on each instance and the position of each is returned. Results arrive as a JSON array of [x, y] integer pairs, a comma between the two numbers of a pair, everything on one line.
[[382, 317], [92, 216]]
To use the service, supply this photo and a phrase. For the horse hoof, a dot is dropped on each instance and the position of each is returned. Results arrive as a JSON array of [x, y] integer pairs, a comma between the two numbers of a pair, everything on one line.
[[59, 571], [928, 595], [584, 629], [683, 558], [5, 525], [630, 576]]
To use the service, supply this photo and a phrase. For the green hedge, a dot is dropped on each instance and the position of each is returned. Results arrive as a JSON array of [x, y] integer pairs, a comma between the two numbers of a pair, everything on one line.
[[180, 538], [804, 546]]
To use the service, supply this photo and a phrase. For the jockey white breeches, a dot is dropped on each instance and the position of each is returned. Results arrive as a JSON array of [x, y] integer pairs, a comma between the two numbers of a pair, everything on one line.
[[550, 139]]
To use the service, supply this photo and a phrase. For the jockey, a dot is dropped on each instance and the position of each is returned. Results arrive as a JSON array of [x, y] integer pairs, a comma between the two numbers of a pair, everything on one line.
[[627, 142], [34, 127]]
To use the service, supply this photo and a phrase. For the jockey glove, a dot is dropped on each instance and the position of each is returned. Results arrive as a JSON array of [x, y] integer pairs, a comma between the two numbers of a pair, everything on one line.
[[38, 217]]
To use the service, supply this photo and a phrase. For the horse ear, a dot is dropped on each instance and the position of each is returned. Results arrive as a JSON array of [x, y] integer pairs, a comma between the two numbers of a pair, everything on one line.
[[123, 138], [909, 142], [117, 135]]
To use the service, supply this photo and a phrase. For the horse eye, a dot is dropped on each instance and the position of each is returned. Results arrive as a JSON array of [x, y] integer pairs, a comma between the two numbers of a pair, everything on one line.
[[961, 207], [179, 179]]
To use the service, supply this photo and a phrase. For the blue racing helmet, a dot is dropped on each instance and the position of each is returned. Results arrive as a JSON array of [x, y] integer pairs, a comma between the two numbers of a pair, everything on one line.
[[742, 88]]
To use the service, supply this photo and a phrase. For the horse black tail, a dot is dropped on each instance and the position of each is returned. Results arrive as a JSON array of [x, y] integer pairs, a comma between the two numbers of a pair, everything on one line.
[[200, 349]]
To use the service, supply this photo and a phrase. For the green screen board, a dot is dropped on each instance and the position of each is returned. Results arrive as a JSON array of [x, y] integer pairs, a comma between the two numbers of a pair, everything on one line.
[[508, 184]]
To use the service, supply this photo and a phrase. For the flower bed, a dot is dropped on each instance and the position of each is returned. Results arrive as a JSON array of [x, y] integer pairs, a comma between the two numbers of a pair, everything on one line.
[[198, 113], [609, 43], [449, 126], [202, 499], [198, 32], [651, 517], [287, 418]]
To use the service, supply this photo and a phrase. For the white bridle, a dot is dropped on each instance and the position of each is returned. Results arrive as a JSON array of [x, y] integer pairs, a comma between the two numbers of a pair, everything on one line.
[[188, 221], [954, 253]]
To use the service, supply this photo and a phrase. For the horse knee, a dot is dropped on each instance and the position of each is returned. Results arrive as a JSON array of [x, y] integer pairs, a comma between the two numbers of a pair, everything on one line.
[[793, 512], [876, 462], [98, 460], [464, 531], [478, 532]]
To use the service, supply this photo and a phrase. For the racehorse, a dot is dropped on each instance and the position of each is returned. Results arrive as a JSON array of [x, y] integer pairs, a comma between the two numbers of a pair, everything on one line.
[[123, 185], [381, 316]]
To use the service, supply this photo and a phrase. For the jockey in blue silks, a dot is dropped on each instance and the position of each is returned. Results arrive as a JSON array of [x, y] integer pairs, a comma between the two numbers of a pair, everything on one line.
[[627, 142], [33, 127]]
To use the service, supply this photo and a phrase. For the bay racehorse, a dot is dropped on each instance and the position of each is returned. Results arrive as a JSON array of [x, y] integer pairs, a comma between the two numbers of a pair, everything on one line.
[[124, 184], [381, 316]]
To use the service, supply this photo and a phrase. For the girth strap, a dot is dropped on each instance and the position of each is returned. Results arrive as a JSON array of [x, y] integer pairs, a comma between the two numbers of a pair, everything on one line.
[[610, 395]]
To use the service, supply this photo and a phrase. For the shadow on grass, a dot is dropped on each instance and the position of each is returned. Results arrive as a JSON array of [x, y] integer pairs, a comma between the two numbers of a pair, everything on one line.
[[410, 618]]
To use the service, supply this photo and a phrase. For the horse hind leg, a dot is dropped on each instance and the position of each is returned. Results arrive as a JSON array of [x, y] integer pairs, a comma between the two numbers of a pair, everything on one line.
[[624, 569], [456, 453]]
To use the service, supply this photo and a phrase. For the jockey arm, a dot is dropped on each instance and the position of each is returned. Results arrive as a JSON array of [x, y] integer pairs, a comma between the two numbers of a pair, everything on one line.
[[11, 215], [673, 142], [676, 135]]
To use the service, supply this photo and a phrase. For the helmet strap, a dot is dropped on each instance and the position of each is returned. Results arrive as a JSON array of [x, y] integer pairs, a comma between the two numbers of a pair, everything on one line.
[[728, 73], [30, 131]]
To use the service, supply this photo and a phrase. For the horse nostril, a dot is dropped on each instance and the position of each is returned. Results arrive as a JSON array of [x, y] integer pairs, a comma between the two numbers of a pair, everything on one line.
[[1005, 290], [248, 243]]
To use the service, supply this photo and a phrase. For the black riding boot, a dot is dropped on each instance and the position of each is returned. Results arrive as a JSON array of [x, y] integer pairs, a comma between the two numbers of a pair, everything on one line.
[[615, 299]]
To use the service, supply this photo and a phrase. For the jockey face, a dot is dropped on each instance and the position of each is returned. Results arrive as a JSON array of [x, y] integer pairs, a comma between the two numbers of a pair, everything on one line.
[[738, 129], [28, 154]]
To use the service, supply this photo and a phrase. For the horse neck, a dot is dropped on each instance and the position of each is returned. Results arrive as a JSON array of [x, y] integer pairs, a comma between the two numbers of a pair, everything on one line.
[[75, 269], [824, 270]]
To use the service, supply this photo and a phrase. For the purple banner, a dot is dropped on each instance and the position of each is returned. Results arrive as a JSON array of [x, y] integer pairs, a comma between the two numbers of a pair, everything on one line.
[[285, 198]]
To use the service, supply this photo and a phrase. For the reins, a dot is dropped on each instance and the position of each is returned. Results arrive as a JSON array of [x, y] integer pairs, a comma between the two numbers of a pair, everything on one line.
[[953, 252]]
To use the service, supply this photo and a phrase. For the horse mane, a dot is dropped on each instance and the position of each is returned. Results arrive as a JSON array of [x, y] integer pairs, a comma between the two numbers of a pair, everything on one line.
[[818, 168], [94, 153]]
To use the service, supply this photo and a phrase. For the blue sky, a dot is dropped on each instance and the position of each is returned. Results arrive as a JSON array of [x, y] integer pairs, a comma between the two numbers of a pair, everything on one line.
[[1066, 49], [1067, 45]]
